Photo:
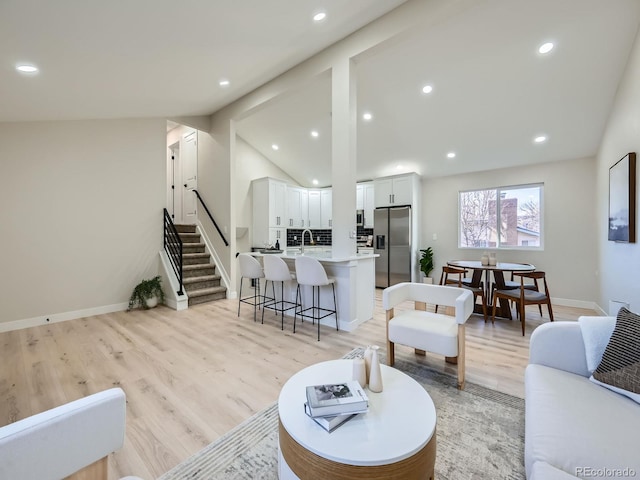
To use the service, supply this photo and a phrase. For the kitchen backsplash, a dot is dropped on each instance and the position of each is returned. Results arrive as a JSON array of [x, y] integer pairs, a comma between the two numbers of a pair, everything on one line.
[[321, 237]]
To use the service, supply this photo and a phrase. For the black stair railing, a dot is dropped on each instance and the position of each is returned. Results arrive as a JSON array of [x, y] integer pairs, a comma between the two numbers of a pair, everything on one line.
[[173, 247], [211, 217]]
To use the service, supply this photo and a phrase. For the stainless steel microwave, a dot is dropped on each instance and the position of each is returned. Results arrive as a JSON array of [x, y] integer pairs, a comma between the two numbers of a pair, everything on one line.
[[359, 218]]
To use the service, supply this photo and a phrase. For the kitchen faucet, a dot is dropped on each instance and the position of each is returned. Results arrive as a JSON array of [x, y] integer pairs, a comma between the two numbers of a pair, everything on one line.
[[310, 236]]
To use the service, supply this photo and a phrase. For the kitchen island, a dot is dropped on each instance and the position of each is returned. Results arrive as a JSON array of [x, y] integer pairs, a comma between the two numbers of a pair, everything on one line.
[[355, 286]]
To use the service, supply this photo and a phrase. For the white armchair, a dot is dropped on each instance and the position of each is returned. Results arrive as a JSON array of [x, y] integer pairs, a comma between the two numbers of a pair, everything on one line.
[[426, 331], [72, 441]]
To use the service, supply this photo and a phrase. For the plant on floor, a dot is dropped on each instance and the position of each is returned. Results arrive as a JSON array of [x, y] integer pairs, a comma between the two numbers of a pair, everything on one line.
[[145, 292], [426, 261]]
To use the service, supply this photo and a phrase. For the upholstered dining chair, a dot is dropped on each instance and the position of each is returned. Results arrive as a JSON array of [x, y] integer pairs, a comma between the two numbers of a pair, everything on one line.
[[311, 273], [473, 284], [250, 268], [426, 331], [514, 284], [276, 270], [524, 295]]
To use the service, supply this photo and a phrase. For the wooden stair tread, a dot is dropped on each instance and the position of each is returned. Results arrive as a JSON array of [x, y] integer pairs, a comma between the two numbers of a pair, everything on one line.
[[207, 291], [202, 278]]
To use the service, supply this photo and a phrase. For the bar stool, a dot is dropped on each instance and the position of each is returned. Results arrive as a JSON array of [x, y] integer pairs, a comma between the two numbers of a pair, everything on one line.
[[310, 272], [250, 268], [276, 270]]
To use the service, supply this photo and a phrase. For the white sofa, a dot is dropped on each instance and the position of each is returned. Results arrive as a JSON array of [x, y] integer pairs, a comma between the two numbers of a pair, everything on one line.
[[573, 427], [70, 441]]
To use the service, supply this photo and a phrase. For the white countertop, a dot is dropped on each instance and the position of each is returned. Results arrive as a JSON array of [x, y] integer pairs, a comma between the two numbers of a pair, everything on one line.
[[400, 421], [322, 256]]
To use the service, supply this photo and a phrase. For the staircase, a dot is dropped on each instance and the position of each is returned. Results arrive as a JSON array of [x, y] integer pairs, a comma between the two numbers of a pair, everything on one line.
[[199, 275]]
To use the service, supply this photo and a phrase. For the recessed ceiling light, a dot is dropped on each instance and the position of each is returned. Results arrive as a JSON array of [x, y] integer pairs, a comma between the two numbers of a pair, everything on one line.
[[275, 147], [224, 83], [540, 139], [27, 68], [451, 155], [314, 181], [427, 89], [320, 16], [314, 133], [399, 167], [545, 48], [367, 116]]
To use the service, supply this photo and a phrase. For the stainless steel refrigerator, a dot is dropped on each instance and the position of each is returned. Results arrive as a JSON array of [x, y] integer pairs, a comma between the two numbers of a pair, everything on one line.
[[392, 241]]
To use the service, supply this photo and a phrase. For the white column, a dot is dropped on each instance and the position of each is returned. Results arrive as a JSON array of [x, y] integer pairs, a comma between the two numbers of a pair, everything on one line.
[[343, 157]]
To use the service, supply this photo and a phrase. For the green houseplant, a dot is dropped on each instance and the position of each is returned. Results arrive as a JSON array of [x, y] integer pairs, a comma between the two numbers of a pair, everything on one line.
[[147, 293], [426, 261]]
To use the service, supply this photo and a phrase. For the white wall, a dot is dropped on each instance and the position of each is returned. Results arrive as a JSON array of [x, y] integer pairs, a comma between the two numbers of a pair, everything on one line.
[[251, 164], [570, 254], [81, 215], [619, 262]]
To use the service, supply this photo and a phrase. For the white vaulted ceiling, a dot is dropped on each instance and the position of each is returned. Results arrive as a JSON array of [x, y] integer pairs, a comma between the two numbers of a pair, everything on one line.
[[492, 91]]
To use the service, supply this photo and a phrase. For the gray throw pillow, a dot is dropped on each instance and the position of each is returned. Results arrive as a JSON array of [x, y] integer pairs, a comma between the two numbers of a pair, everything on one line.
[[619, 369]]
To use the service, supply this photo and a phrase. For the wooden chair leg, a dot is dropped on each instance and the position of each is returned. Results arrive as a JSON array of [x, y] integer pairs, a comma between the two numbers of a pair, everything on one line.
[[493, 315], [550, 310], [522, 313], [461, 357], [390, 353]]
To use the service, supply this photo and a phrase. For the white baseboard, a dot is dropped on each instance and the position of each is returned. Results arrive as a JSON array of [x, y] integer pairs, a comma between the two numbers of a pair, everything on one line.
[[61, 317], [567, 302]]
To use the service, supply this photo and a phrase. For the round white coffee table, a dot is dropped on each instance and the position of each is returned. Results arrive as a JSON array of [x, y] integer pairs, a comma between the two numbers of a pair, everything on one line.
[[396, 438]]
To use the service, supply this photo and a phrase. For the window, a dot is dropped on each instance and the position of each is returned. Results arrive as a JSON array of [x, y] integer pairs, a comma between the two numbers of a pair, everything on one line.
[[519, 209]]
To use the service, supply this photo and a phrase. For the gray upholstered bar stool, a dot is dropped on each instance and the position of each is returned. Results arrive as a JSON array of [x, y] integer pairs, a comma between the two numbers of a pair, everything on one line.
[[250, 268], [310, 272], [277, 270]]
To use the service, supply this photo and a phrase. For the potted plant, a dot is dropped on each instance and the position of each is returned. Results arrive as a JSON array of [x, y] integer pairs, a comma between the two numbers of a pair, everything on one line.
[[147, 293], [426, 264]]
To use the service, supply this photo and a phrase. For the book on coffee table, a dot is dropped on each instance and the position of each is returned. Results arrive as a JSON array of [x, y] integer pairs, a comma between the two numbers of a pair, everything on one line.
[[332, 422], [336, 399]]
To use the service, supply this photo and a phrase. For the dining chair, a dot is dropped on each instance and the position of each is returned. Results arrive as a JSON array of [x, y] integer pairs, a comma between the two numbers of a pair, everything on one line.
[[523, 296], [473, 284], [514, 284]]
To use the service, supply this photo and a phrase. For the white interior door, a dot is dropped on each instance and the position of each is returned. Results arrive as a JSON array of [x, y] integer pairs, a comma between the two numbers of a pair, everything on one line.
[[174, 184], [189, 163]]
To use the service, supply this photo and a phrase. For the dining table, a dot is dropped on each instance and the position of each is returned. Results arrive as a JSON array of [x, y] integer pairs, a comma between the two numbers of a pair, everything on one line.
[[497, 270]]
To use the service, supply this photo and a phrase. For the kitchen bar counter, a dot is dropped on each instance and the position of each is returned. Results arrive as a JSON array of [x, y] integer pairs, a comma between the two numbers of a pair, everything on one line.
[[355, 285]]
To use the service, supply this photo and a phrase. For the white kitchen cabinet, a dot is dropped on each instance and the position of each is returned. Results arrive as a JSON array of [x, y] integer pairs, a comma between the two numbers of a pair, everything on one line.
[[393, 191], [269, 211], [297, 207], [277, 235], [369, 206], [315, 204], [326, 208], [359, 196]]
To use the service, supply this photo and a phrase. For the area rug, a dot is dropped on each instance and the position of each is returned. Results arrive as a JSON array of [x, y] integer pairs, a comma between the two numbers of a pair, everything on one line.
[[480, 436]]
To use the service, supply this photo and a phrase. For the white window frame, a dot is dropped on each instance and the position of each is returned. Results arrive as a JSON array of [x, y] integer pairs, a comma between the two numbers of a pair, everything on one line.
[[498, 214]]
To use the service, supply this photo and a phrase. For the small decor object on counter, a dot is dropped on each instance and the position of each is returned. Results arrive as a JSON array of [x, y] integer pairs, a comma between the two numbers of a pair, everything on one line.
[[484, 260], [147, 293], [368, 354], [360, 371], [337, 399], [329, 423], [492, 259], [375, 376], [277, 244]]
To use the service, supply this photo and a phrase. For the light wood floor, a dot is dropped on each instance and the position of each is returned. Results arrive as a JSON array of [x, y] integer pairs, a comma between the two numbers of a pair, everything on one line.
[[191, 376]]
